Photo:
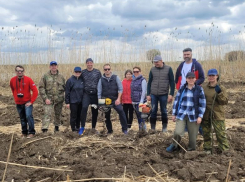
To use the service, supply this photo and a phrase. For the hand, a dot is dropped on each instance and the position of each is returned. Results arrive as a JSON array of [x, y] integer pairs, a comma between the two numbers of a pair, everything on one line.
[[68, 106], [117, 102], [28, 104], [47, 101], [217, 89], [199, 120], [170, 98], [174, 118], [148, 98], [140, 104]]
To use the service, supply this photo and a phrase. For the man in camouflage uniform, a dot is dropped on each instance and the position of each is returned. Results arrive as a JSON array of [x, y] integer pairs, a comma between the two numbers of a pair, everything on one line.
[[52, 89], [218, 116]]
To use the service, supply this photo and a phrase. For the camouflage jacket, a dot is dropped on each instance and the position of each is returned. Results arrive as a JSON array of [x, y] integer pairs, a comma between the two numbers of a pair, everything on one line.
[[52, 87], [220, 101]]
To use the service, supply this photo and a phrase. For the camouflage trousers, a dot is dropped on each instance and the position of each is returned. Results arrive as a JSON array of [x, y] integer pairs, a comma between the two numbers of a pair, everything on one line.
[[48, 109], [219, 129]]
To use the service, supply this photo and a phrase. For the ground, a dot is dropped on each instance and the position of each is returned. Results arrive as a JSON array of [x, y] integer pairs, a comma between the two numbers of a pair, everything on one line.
[[137, 156]]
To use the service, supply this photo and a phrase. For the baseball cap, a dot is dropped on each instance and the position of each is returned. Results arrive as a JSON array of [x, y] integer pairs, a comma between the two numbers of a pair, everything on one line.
[[190, 75], [77, 69], [53, 62], [89, 59], [212, 72], [157, 58]]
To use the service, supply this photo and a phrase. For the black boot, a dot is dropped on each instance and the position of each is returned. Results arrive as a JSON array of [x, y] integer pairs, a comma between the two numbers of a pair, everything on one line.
[[153, 123], [44, 130], [56, 128], [164, 125]]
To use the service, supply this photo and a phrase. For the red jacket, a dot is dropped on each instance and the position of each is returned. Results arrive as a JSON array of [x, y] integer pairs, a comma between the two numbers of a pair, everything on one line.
[[126, 95], [24, 86]]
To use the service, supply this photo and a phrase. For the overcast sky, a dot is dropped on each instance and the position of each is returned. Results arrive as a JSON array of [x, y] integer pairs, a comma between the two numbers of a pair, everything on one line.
[[34, 25]]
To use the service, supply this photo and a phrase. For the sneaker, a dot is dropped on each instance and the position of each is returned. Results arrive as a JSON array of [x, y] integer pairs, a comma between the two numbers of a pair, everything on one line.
[[125, 132], [94, 131], [56, 128], [171, 148], [81, 131], [30, 136], [23, 135]]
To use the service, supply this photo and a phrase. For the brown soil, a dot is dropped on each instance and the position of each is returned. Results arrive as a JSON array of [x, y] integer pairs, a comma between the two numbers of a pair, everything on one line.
[[102, 156]]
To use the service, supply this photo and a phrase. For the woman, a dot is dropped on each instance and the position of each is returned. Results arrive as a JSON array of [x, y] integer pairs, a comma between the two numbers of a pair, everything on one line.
[[126, 97], [189, 107], [213, 90], [73, 98], [138, 94]]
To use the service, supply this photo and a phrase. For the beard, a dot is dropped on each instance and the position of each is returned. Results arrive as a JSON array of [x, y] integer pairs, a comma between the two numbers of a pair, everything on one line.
[[187, 59]]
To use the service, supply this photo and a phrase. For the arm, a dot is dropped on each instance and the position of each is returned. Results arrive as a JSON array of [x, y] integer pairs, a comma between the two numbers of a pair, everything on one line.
[[33, 87], [144, 88], [202, 103], [149, 84], [120, 90], [12, 86], [201, 76], [174, 111], [42, 87], [67, 91], [171, 81], [222, 97], [99, 88]]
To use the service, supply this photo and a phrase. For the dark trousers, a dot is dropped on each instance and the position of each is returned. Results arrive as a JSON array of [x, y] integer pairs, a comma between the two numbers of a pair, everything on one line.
[[87, 100], [75, 121], [129, 112], [26, 119], [122, 117]]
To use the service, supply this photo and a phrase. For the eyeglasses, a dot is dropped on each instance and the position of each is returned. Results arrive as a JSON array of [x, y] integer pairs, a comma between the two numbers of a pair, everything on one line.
[[136, 71], [108, 69], [78, 72], [20, 71]]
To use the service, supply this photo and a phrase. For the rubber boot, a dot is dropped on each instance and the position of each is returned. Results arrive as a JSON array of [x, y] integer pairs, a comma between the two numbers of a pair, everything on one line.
[[153, 123], [164, 125]]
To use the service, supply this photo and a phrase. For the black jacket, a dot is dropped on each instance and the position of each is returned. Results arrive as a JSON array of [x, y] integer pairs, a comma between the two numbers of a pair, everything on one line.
[[74, 90]]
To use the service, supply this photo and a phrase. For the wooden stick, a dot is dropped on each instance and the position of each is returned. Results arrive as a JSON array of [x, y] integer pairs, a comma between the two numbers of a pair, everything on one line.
[[210, 174], [155, 172], [35, 141], [35, 167], [6, 166], [124, 174], [228, 171], [44, 179], [179, 144]]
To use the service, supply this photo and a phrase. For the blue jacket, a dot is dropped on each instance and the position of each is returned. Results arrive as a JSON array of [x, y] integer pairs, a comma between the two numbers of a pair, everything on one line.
[[74, 90]]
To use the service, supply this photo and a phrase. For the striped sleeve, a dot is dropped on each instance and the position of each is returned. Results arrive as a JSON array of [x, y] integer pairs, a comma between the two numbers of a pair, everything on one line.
[[202, 103], [174, 112]]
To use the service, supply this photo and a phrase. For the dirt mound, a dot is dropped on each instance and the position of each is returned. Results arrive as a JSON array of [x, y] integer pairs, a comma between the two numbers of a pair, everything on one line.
[[105, 157]]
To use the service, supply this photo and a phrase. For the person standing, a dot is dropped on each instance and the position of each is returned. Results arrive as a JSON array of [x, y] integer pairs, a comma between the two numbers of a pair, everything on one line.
[[161, 78], [188, 65], [126, 97], [110, 86], [90, 78], [188, 110], [52, 89], [138, 94], [74, 97], [213, 90], [21, 87]]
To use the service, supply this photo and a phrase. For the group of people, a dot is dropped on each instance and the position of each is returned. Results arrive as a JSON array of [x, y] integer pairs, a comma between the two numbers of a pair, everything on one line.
[[194, 105]]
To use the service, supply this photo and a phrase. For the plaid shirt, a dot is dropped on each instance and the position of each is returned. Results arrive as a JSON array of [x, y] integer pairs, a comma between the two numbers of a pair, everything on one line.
[[186, 105]]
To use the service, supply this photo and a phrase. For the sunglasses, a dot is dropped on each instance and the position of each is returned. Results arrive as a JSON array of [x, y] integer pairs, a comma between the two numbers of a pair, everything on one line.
[[78, 72], [108, 69], [136, 71], [20, 71]]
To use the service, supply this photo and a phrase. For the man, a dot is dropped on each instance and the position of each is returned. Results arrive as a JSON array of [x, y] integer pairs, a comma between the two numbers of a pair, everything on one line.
[[161, 77], [52, 89], [91, 78], [189, 65], [189, 107], [21, 87], [110, 86], [73, 98]]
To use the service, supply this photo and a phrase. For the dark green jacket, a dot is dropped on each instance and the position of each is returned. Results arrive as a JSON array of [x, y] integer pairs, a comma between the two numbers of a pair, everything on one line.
[[220, 101]]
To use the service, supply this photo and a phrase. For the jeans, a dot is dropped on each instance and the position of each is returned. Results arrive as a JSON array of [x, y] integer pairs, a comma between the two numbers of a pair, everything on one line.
[[129, 112], [87, 100], [26, 119], [163, 99], [75, 121], [122, 118]]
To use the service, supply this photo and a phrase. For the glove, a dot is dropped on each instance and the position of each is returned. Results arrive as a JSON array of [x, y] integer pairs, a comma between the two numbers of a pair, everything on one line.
[[217, 89]]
